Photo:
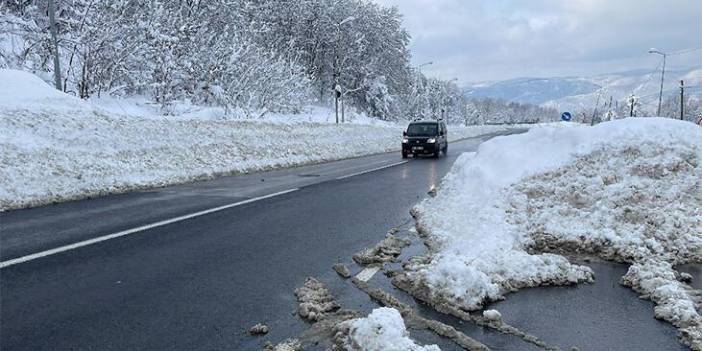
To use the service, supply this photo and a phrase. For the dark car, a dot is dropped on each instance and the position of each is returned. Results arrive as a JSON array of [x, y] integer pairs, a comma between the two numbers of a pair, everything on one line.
[[425, 138]]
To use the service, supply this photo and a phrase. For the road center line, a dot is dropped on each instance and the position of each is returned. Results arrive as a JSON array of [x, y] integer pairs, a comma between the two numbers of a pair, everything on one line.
[[80, 244], [371, 170], [343, 170]]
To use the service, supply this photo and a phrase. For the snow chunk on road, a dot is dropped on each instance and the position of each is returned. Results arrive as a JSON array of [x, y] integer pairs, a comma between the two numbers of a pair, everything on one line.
[[492, 315], [628, 190], [382, 330], [316, 301]]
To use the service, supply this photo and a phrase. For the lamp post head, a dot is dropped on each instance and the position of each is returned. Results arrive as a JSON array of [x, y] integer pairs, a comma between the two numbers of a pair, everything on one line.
[[426, 64], [656, 51]]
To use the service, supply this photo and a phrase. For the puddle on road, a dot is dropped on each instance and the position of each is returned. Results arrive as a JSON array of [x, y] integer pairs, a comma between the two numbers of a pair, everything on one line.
[[600, 316]]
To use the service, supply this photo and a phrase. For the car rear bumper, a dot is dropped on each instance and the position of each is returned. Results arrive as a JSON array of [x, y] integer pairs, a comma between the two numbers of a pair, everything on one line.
[[420, 149]]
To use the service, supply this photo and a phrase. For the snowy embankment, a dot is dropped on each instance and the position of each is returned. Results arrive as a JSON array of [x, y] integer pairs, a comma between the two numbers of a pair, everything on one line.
[[54, 147], [628, 191]]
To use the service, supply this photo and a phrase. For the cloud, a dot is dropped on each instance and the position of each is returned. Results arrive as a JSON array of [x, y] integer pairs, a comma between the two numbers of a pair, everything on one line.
[[497, 39]]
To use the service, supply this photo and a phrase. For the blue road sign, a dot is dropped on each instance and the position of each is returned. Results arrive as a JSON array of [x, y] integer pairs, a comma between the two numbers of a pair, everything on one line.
[[566, 116]]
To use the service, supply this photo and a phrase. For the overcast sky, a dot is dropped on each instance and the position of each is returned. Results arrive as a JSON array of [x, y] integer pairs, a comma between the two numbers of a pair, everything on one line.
[[476, 40]]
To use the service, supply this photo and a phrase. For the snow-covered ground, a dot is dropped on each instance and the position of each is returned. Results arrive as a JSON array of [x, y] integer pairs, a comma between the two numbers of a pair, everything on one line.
[[628, 190], [55, 147]]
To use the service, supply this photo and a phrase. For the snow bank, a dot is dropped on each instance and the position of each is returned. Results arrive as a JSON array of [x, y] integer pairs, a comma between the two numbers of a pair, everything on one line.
[[382, 330], [139, 106], [54, 147], [21, 89], [51, 155], [629, 190]]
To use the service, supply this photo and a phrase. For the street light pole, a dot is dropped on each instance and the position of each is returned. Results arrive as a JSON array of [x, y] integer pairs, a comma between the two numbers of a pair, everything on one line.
[[682, 100], [660, 96], [337, 67], [54, 42]]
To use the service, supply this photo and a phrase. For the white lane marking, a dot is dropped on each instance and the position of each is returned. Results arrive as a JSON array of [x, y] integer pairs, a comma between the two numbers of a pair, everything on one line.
[[73, 246], [367, 273], [342, 170], [371, 170]]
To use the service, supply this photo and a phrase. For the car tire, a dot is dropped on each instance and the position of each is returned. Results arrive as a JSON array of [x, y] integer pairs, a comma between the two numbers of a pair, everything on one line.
[[446, 150]]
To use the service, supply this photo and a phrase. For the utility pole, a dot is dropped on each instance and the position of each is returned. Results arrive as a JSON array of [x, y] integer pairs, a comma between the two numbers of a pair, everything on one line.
[[660, 96], [337, 67], [336, 109], [337, 96], [54, 40], [682, 100], [337, 73]]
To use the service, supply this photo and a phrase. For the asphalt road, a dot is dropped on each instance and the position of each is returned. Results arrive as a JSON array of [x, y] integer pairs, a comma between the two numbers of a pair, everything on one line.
[[199, 283]]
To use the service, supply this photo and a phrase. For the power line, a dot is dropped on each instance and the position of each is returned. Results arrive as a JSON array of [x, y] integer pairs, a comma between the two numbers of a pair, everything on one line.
[[685, 51]]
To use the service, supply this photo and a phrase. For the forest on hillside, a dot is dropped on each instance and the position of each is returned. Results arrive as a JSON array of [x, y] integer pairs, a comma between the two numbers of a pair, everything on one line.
[[252, 56]]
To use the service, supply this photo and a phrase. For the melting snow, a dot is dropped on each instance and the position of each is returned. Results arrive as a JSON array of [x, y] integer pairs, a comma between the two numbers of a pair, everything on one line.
[[629, 190]]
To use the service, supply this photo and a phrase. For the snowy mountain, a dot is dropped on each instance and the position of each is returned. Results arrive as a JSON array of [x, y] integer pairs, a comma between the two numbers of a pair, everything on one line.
[[578, 93], [533, 90]]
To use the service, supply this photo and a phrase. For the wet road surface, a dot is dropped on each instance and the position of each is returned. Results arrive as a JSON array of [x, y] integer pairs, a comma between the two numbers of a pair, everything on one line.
[[197, 284], [601, 316], [604, 315], [200, 283]]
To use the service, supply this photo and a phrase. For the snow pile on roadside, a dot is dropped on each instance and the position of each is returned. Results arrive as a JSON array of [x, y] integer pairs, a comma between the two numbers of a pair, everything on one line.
[[382, 330], [623, 201], [628, 190], [20, 89], [54, 147], [639, 203]]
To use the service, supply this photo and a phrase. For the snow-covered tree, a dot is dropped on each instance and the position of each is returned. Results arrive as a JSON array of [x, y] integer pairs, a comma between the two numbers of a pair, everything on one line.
[[632, 104], [253, 56], [692, 110]]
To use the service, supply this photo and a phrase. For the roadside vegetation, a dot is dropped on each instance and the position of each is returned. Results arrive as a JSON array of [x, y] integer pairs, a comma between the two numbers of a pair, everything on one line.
[[251, 58]]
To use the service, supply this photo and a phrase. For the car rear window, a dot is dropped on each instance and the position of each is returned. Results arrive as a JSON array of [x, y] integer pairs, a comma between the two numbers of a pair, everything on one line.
[[421, 129]]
